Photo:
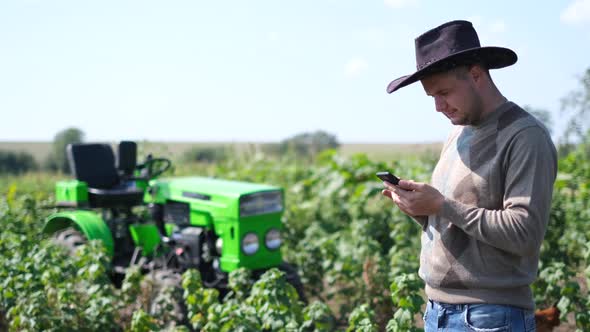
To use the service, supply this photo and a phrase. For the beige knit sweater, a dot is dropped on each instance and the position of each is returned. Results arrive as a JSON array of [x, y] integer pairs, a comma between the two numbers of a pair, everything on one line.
[[497, 179]]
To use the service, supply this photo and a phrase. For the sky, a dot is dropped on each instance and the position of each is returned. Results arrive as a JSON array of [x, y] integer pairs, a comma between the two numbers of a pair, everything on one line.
[[261, 71]]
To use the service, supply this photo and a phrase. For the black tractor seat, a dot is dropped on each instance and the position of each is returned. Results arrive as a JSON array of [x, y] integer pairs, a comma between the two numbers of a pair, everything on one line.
[[95, 164], [114, 197]]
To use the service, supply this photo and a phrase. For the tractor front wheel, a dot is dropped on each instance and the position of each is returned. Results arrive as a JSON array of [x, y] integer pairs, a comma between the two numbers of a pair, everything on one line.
[[69, 238], [167, 301], [293, 278]]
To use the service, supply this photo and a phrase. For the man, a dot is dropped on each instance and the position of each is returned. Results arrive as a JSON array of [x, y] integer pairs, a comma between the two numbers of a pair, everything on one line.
[[485, 213]]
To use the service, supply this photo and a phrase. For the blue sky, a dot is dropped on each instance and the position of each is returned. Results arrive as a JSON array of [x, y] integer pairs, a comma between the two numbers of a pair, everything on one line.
[[262, 70]]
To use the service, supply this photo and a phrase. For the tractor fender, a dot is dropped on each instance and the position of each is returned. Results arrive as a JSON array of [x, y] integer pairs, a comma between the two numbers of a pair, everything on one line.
[[88, 222]]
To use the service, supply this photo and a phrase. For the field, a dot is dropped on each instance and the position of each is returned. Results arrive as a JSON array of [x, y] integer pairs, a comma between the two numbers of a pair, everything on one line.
[[375, 151], [357, 256]]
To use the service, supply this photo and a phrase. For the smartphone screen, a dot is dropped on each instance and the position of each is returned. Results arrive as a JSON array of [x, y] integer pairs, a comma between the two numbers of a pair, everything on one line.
[[386, 176]]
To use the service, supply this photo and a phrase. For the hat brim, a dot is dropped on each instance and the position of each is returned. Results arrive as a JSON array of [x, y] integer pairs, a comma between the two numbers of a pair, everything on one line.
[[491, 56]]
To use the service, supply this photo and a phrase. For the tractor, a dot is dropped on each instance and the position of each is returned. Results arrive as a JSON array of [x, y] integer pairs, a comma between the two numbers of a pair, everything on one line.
[[167, 225]]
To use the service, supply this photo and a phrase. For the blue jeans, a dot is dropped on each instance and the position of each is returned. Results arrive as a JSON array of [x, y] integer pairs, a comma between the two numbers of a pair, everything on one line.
[[477, 317]]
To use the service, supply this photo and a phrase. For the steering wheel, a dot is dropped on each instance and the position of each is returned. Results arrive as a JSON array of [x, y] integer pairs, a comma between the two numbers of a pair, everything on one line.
[[154, 167]]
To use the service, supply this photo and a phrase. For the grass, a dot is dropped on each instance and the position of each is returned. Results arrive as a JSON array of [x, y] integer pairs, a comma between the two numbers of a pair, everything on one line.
[[35, 183]]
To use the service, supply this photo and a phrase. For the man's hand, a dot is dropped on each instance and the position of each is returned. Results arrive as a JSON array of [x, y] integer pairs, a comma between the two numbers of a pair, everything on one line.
[[414, 198]]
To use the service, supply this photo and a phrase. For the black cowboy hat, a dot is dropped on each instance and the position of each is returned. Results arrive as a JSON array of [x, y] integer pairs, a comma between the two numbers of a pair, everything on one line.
[[450, 45]]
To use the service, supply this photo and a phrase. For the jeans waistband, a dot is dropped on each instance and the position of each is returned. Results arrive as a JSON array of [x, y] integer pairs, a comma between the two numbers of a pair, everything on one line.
[[447, 306], [462, 306]]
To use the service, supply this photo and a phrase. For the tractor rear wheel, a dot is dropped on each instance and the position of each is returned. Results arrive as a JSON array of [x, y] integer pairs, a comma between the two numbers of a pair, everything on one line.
[[69, 238]]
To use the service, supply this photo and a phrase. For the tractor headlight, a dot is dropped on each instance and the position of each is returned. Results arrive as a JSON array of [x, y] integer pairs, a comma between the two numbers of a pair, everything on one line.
[[273, 239], [261, 203], [250, 244], [219, 245]]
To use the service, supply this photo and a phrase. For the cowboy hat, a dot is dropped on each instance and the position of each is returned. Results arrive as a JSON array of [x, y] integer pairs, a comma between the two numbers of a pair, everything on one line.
[[450, 45]]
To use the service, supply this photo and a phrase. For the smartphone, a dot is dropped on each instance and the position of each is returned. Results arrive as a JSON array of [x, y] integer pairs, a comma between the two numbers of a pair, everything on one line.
[[386, 176]]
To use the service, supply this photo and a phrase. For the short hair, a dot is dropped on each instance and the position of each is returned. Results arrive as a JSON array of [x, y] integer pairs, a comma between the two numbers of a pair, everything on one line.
[[461, 71], [458, 66]]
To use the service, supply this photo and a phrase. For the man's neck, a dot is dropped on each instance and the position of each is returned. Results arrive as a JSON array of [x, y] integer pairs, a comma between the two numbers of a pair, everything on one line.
[[492, 101]]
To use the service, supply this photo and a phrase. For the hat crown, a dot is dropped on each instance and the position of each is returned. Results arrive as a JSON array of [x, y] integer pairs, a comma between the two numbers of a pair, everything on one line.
[[444, 41]]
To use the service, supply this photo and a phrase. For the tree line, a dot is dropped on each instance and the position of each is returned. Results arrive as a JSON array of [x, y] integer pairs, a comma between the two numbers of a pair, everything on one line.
[[307, 144]]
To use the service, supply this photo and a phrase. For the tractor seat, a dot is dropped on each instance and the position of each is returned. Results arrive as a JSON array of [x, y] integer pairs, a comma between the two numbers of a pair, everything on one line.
[[119, 196], [95, 165]]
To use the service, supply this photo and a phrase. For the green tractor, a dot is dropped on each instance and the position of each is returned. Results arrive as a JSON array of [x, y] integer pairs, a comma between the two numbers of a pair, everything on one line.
[[169, 224]]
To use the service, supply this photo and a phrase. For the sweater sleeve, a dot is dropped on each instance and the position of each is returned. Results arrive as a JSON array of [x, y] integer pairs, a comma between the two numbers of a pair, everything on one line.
[[530, 166], [422, 221]]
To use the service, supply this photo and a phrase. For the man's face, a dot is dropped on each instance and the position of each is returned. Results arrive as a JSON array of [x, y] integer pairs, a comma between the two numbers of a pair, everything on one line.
[[455, 95]]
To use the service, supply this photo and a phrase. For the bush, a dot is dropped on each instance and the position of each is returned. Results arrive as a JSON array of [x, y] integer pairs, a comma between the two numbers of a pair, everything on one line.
[[305, 144], [205, 154], [16, 162]]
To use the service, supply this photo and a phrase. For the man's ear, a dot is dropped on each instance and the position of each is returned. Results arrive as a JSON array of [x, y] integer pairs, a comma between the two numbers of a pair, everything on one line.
[[476, 72]]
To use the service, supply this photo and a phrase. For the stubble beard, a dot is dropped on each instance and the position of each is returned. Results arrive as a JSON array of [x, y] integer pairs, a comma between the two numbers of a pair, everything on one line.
[[474, 113]]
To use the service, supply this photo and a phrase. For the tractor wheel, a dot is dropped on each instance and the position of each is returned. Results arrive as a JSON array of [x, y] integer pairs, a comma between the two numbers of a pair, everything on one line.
[[69, 238], [167, 301], [293, 278]]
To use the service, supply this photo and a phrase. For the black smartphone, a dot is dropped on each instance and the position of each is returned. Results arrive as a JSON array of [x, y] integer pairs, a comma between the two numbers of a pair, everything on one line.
[[386, 176]]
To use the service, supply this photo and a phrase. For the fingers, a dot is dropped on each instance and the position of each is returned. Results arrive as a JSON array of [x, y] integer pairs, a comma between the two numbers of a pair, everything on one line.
[[414, 198], [392, 195], [396, 189], [401, 204], [407, 185], [411, 185], [402, 194], [387, 193], [388, 185]]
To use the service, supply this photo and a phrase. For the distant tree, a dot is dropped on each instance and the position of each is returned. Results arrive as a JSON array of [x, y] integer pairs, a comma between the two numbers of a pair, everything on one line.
[[309, 144], [57, 159], [577, 104], [12, 162], [542, 115], [207, 154]]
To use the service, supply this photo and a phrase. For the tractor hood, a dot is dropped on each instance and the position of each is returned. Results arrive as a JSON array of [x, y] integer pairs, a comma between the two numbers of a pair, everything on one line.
[[202, 186], [215, 199]]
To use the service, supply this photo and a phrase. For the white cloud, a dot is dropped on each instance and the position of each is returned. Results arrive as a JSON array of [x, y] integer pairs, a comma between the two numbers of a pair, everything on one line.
[[577, 12], [355, 67], [397, 4]]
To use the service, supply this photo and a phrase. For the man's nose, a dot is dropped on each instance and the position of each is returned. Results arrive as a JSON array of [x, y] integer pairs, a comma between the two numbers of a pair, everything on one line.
[[440, 104]]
